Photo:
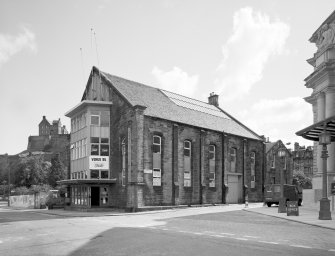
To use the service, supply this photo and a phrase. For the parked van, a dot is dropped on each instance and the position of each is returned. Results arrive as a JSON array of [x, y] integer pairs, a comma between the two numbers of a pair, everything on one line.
[[55, 199], [291, 193]]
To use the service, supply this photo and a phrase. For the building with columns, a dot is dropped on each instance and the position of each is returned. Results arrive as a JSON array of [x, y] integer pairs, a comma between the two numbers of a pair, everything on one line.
[[134, 145], [322, 99]]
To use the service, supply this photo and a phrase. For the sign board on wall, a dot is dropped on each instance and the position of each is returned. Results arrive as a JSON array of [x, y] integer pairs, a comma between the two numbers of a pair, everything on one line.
[[99, 162], [156, 182], [147, 171]]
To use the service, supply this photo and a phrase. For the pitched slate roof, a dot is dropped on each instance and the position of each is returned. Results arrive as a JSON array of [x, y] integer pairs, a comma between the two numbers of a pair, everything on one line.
[[269, 145], [177, 108]]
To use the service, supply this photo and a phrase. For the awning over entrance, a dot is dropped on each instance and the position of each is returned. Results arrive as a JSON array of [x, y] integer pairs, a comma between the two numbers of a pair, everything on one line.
[[90, 182], [314, 131]]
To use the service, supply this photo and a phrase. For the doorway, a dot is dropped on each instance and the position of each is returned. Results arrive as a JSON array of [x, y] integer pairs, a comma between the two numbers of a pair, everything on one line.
[[95, 196], [235, 189]]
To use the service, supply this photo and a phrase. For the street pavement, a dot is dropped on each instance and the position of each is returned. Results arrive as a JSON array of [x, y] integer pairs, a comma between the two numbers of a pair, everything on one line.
[[307, 214], [215, 230]]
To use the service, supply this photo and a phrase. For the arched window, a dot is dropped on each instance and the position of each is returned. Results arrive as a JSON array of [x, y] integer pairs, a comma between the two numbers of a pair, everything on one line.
[[156, 162], [123, 152], [212, 156], [157, 144], [187, 163]]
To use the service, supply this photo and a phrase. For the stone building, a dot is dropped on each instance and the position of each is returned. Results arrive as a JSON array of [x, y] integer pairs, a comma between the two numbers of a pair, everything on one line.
[[47, 128], [53, 139], [322, 99], [133, 145], [275, 164], [303, 159]]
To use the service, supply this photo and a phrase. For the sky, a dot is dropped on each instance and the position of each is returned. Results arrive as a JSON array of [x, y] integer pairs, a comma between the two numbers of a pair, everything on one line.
[[251, 53]]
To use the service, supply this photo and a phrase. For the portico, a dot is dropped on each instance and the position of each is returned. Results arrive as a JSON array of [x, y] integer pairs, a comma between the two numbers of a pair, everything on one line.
[[322, 99]]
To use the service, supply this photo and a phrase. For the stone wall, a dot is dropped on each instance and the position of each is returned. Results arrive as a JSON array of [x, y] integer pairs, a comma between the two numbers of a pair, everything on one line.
[[30, 201], [129, 123]]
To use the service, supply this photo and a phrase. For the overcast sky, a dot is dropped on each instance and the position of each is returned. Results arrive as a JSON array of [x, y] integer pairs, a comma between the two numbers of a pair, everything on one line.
[[252, 53]]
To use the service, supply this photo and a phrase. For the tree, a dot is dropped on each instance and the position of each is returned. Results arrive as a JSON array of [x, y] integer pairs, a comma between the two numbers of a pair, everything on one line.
[[32, 170], [3, 169], [302, 180], [57, 171]]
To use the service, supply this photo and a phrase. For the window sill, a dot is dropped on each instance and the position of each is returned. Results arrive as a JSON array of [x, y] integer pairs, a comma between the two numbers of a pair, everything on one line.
[[188, 188]]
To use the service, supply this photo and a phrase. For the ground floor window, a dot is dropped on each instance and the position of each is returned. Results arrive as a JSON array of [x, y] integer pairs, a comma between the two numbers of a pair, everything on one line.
[[90, 196], [79, 195]]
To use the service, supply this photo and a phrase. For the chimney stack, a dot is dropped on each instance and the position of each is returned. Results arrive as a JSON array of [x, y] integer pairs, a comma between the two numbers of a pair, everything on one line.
[[213, 99]]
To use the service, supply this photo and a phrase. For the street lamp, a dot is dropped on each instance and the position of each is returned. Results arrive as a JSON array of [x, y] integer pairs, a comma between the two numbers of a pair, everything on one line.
[[282, 199], [324, 213]]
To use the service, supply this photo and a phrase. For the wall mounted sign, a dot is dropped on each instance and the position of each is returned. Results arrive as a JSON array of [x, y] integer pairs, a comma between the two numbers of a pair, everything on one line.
[[99, 162], [147, 171]]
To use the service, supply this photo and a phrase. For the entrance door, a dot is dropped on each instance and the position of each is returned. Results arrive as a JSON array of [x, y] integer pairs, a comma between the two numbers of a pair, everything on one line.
[[95, 196], [235, 186]]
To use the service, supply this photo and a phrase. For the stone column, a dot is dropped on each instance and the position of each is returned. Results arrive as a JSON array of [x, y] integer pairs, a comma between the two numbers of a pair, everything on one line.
[[321, 106], [320, 116]]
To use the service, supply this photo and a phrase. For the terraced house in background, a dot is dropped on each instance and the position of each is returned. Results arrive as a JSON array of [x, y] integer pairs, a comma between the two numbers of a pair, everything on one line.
[[133, 146]]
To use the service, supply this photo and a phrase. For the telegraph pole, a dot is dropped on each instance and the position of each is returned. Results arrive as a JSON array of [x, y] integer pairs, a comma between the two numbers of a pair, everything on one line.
[[8, 169]]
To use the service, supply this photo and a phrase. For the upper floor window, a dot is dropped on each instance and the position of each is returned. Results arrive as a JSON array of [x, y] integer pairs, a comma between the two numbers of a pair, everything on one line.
[[157, 160], [95, 120], [273, 163], [83, 149], [252, 168], [157, 144], [99, 146], [232, 159], [187, 148], [104, 147], [78, 122], [94, 146], [187, 163], [285, 163], [212, 156], [123, 170]]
